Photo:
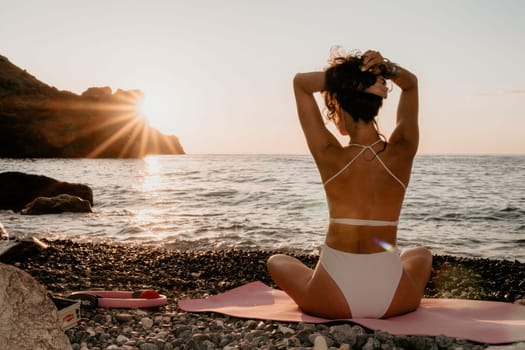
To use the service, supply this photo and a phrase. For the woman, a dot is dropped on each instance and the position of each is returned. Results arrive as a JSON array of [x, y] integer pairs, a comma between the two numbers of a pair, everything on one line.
[[360, 271]]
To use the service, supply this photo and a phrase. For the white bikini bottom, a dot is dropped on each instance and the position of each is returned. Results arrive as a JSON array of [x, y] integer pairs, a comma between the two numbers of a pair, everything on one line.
[[368, 281]]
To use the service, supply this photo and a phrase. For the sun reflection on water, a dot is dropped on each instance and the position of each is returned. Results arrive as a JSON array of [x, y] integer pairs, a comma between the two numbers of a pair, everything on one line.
[[152, 179]]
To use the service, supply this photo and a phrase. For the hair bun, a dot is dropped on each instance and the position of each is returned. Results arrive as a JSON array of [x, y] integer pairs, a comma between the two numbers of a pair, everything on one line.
[[338, 53]]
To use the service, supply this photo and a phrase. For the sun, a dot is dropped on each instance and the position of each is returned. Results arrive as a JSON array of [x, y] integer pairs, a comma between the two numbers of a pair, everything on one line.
[[158, 111], [144, 109]]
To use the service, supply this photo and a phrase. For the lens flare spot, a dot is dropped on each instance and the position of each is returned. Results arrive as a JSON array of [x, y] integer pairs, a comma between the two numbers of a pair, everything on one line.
[[385, 245]]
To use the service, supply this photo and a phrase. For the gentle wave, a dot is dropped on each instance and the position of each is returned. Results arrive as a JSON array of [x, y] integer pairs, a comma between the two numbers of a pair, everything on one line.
[[462, 205]]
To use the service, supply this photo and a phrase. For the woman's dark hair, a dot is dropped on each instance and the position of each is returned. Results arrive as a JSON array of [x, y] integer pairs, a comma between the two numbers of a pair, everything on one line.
[[345, 85]]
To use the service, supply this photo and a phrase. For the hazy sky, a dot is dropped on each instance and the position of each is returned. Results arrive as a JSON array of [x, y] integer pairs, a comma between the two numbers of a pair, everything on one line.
[[218, 73]]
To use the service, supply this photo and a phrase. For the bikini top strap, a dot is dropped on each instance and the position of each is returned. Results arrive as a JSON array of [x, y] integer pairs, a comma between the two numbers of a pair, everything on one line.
[[345, 167], [391, 173], [366, 146], [384, 165], [363, 149]]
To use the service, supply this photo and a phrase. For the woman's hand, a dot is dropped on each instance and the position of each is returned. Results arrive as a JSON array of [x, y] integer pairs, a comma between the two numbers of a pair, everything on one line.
[[373, 62], [379, 88], [376, 64]]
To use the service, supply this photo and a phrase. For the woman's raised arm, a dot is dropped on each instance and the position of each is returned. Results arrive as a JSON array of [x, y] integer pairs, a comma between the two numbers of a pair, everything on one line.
[[406, 132], [317, 136]]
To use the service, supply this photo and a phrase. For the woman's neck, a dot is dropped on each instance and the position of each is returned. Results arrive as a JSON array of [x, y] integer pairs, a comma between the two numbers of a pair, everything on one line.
[[363, 133]]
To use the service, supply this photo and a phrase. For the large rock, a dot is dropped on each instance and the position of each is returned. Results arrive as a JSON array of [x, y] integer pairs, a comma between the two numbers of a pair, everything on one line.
[[98, 93], [40, 121], [3, 232], [14, 250], [18, 189], [28, 317], [55, 205]]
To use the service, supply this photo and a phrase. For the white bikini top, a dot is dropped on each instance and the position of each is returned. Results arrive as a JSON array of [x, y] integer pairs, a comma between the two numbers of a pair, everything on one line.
[[362, 222]]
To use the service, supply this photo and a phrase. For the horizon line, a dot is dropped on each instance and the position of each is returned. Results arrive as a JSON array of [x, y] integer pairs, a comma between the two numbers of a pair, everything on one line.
[[308, 154]]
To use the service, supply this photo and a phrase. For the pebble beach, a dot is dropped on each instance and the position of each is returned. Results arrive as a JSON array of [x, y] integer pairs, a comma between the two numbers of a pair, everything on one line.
[[67, 266]]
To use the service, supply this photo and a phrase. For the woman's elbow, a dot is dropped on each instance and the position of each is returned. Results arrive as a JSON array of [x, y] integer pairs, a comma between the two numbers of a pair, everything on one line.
[[412, 81], [298, 80]]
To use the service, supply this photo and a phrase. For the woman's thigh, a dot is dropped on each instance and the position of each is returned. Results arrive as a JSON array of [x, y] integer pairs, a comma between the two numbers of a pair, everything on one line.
[[313, 290], [417, 265], [290, 274]]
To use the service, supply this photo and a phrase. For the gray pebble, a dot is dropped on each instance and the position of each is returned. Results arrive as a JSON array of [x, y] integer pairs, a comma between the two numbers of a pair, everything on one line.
[[124, 317], [320, 343], [148, 346], [146, 322], [168, 328]]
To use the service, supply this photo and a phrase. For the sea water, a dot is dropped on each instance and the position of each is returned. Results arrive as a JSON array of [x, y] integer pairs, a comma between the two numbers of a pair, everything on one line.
[[460, 205]]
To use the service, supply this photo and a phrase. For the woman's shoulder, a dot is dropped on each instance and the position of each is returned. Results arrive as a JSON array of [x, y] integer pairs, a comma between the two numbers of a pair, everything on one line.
[[399, 150]]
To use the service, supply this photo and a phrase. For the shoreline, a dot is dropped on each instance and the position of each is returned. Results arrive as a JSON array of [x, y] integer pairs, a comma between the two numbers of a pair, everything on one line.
[[67, 266]]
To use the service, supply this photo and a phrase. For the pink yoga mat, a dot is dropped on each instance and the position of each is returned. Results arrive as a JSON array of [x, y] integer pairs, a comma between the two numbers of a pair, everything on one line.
[[481, 321]]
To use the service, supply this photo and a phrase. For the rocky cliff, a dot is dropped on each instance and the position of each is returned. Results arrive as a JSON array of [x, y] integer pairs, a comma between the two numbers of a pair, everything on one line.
[[38, 120]]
